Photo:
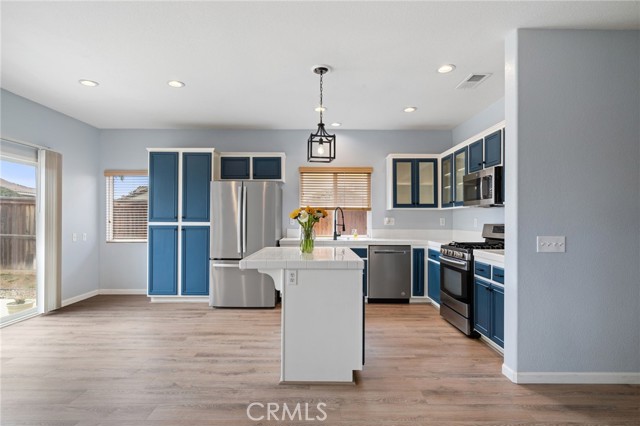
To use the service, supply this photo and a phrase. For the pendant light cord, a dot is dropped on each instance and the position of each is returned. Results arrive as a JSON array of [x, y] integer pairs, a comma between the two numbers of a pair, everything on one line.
[[321, 107]]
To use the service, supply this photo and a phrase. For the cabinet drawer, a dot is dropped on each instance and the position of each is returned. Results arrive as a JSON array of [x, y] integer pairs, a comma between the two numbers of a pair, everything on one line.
[[482, 269], [434, 255], [498, 275]]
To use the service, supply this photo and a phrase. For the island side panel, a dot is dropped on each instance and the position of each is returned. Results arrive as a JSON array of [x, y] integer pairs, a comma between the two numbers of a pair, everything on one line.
[[322, 326]]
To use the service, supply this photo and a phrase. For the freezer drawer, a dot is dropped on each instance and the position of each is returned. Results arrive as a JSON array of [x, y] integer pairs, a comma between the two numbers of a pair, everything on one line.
[[389, 272], [235, 288]]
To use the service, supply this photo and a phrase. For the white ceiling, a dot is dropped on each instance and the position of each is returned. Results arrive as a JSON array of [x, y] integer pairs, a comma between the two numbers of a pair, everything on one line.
[[247, 65]]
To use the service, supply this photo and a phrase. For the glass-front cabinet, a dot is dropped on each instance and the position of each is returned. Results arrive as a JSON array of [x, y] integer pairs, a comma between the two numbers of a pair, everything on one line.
[[447, 181], [460, 169], [414, 183]]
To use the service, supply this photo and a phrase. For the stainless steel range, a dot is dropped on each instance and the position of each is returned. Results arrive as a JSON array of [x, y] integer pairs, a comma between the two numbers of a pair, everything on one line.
[[456, 277]]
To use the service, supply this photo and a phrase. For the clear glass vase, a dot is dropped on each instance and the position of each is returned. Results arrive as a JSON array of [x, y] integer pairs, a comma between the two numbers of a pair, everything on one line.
[[307, 240]]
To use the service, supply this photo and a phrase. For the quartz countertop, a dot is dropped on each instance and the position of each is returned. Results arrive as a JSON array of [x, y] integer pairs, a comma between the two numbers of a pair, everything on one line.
[[491, 255], [292, 258], [362, 241]]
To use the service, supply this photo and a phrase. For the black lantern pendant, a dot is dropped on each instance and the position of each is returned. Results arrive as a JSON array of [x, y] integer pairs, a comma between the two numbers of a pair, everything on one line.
[[321, 146]]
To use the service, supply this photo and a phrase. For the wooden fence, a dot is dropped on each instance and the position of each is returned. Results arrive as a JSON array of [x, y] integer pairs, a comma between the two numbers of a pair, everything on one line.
[[17, 233]]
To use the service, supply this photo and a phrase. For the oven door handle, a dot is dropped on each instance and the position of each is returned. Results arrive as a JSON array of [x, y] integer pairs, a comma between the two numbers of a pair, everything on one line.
[[448, 261]]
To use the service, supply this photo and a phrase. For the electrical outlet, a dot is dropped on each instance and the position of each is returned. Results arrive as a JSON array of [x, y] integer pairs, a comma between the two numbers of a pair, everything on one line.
[[551, 244], [74, 237], [442, 222], [389, 221], [84, 236], [292, 278], [292, 221], [475, 222]]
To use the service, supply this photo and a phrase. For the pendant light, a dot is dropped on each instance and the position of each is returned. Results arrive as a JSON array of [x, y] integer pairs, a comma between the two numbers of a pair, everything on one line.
[[321, 146]]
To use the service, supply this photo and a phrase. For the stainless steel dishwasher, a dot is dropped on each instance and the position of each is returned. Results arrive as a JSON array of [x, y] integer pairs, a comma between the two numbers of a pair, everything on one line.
[[389, 273]]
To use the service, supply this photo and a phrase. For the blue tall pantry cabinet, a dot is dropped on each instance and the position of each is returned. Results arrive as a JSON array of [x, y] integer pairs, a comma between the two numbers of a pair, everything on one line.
[[179, 222]]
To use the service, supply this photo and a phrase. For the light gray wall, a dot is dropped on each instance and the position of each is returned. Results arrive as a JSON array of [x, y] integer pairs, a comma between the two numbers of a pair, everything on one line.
[[123, 265], [491, 115], [464, 219], [573, 101], [77, 142]]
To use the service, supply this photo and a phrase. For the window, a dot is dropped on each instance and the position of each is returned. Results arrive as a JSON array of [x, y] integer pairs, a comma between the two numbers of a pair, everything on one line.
[[331, 187], [127, 204]]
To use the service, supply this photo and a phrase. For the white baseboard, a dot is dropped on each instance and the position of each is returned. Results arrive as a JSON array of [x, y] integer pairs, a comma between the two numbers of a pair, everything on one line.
[[76, 299], [142, 291], [630, 378]]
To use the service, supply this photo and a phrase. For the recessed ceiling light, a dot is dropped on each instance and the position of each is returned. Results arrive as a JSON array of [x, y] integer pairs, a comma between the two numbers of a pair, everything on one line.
[[410, 109], [446, 68], [88, 83], [320, 108], [336, 124], [175, 83]]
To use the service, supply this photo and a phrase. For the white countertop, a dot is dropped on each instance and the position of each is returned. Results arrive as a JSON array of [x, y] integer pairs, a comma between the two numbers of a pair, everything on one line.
[[491, 255], [292, 258], [364, 242]]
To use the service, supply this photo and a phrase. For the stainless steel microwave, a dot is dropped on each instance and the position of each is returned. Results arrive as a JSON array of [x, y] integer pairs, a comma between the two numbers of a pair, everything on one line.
[[484, 188]]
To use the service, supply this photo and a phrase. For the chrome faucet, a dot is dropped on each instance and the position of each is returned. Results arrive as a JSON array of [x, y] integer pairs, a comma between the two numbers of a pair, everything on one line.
[[335, 222]]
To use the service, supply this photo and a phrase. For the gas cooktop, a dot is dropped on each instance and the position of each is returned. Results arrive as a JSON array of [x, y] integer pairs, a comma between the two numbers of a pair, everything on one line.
[[491, 245]]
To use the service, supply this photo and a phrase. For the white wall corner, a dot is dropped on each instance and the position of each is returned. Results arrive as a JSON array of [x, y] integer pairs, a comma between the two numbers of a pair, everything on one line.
[[75, 299]]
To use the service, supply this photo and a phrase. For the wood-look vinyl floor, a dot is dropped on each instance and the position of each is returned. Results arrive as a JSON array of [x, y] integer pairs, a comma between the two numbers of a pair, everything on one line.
[[122, 361]]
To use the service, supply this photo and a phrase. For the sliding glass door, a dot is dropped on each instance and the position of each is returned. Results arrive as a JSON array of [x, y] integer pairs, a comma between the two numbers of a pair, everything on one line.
[[18, 213]]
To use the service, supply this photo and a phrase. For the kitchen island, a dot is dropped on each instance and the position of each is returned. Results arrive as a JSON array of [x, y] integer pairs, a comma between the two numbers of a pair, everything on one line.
[[322, 311]]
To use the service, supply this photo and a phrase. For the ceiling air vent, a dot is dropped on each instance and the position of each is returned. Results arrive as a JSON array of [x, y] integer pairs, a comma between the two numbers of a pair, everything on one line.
[[472, 81]]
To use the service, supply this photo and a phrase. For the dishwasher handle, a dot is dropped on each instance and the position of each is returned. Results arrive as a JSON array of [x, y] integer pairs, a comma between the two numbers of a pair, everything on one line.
[[390, 252]]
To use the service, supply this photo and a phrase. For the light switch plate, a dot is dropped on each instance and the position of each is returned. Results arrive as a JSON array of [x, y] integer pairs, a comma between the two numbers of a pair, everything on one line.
[[442, 221], [74, 237], [551, 244]]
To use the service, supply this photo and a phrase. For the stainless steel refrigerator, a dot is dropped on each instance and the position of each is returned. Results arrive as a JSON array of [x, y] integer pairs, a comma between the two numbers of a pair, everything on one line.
[[246, 216]]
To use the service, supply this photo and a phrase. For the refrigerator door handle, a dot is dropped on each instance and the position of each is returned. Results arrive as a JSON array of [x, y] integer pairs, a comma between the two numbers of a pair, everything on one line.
[[226, 265], [244, 220], [239, 230]]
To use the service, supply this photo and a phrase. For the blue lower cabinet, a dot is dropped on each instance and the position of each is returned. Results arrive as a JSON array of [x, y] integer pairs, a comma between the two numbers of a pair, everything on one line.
[[433, 284], [488, 311], [418, 272], [163, 260], [195, 261], [497, 315], [482, 307]]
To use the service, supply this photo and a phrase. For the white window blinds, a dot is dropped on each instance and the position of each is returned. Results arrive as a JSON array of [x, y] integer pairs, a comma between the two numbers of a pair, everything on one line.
[[127, 204], [331, 187]]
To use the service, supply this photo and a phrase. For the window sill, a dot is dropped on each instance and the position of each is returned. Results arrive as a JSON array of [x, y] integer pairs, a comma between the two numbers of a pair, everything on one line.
[[126, 241]]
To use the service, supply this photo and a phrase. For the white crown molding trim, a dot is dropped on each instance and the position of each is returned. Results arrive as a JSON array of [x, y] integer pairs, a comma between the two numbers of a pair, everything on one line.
[[614, 378]]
